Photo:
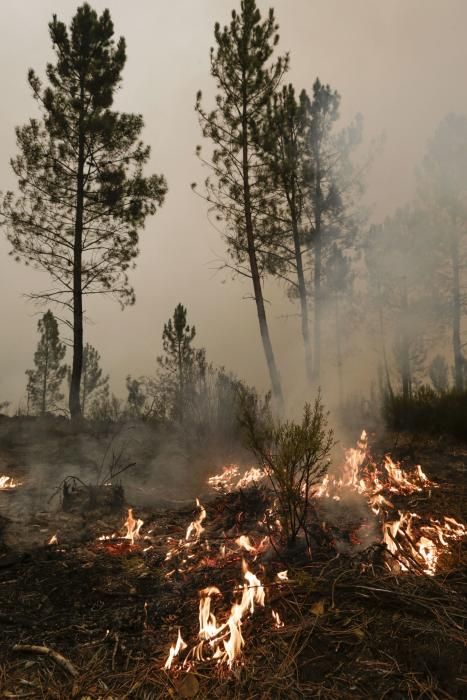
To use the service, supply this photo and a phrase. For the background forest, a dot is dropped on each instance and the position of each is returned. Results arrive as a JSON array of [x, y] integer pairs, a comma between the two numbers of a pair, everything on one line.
[[375, 309]]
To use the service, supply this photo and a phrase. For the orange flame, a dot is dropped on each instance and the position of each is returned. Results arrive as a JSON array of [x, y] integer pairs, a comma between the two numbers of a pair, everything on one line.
[[133, 527]]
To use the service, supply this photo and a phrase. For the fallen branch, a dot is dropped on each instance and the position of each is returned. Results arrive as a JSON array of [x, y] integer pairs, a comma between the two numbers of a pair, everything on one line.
[[58, 658]]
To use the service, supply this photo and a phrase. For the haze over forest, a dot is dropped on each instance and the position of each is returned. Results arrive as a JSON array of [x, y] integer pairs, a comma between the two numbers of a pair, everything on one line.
[[397, 63]]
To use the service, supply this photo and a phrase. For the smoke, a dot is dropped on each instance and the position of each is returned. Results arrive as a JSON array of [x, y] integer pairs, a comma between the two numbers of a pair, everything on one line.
[[325, 38]]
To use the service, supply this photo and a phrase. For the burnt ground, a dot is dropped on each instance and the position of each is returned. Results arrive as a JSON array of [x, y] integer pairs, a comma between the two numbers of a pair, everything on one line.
[[352, 628]]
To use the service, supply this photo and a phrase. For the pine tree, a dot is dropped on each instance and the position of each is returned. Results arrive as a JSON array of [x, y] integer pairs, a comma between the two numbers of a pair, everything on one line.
[[442, 190], [80, 175], [44, 382], [397, 260], [94, 384], [245, 79], [179, 354], [339, 280], [285, 146], [330, 185], [439, 373]]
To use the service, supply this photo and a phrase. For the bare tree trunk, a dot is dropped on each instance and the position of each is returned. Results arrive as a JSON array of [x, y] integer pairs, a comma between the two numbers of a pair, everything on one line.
[[44, 382], [83, 389], [181, 383], [406, 369], [302, 295], [77, 366], [339, 354], [383, 345], [317, 244], [456, 317], [258, 292], [317, 303]]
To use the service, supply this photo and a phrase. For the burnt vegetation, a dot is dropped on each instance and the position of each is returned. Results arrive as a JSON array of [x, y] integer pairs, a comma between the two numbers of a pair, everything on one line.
[[194, 536]]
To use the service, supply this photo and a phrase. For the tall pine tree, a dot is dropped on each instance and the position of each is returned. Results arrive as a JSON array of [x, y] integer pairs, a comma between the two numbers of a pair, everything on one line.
[[80, 174], [284, 141], [331, 185], [246, 77]]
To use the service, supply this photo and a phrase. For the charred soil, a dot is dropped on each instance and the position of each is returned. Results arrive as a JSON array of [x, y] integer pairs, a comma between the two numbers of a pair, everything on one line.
[[349, 625]]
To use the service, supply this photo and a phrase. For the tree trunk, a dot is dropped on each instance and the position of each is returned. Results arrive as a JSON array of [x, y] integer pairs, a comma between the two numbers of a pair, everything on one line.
[[302, 293], [77, 366], [317, 302], [181, 383], [83, 390], [340, 379], [258, 292], [383, 345], [317, 274], [406, 369], [44, 383], [456, 317]]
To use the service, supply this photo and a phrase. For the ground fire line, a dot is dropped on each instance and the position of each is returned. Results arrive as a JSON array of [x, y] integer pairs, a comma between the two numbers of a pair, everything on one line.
[[238, 581], [414, 543]]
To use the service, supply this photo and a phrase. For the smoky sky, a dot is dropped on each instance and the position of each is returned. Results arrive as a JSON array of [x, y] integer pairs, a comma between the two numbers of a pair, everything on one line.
[[400, 63]]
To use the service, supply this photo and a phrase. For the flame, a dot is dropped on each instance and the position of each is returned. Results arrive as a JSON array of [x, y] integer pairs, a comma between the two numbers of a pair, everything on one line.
[[225, 641], [195, 528], [277, 620], [244, 541], [53, 539], [230, 478], [422, 544], [175, 649], [283, 575], [8, 482], [427, 546], [133, 527]]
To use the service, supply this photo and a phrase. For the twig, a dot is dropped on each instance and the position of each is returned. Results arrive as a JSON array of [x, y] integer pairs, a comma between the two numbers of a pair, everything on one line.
[[46, 651]]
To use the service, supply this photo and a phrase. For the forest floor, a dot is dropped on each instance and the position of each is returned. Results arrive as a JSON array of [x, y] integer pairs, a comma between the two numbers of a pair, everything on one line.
[[106, 611]]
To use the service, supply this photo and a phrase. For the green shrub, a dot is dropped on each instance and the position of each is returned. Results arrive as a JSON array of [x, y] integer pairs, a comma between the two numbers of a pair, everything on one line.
[[429, 411], [295, 456]]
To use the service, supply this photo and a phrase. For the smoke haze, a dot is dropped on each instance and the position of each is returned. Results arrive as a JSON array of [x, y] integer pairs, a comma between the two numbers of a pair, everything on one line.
[[396, 63]]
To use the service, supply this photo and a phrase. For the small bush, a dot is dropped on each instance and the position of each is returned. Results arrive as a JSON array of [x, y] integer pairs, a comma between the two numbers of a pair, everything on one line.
[[429, 411], [295, 456]]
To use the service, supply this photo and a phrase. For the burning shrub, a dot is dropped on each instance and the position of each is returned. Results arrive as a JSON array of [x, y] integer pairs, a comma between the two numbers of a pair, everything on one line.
[[295, 457]]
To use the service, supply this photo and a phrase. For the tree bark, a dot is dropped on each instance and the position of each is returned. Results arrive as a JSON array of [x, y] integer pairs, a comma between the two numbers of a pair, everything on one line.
[[317, 275], [258, 291], [301, 290], [317, 301], [77, 366], [406, 369], [340, 379], [383, 344], [456, 317], [46, 373]]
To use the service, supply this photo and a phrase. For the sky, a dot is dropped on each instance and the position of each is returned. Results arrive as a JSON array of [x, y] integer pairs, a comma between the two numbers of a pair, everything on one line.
[[400, 63]]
